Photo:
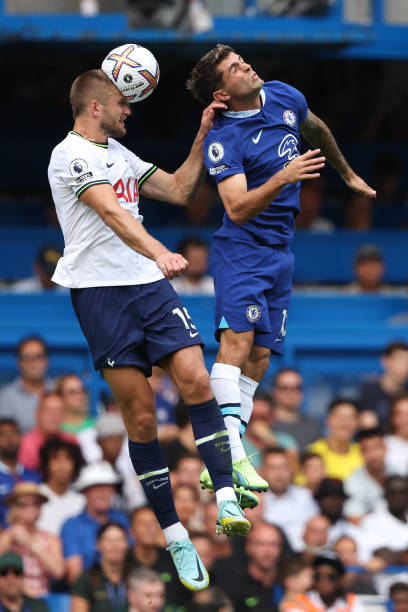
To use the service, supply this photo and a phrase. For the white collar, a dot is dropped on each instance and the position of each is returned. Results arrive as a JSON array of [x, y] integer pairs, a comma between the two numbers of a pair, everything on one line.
[[246, 113]]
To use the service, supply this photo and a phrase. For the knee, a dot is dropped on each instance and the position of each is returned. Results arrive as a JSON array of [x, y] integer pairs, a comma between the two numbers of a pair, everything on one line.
[[195, 386], [141, 426]]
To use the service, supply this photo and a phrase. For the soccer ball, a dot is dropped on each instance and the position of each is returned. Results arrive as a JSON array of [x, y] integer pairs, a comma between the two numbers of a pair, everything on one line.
[[134, 70]]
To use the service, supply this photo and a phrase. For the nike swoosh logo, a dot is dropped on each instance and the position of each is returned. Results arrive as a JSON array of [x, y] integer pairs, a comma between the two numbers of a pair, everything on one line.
[[278, 340], [159, 485], [256, 140], [193, 335], [109, 165], [230, 513], [200, 576]]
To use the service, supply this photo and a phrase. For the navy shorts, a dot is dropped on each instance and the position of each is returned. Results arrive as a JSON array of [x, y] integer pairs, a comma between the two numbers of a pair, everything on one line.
[[253, 286], [134, 325]]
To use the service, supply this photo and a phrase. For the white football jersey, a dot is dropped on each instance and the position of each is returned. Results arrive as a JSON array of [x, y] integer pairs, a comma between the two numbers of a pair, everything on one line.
[[94, 256]]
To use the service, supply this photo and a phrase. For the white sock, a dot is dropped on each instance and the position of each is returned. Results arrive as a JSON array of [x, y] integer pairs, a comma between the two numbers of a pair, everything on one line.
[[225, 384], [225, 494], [248, 388], [175, 533]]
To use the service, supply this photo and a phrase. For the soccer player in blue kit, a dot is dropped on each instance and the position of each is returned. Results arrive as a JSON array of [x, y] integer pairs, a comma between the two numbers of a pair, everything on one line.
[[129, 313], [252, 152]]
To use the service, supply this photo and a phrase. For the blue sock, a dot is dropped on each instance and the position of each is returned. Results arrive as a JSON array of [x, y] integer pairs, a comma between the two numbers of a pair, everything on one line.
[[150, 465], [212, 442]]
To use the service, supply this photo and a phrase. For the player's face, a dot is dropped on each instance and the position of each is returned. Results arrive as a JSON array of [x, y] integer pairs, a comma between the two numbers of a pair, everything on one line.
[[239, 80], [114, 114]]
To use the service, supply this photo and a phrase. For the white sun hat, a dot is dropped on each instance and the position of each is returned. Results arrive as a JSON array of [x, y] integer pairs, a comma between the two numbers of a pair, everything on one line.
[[97, 473]]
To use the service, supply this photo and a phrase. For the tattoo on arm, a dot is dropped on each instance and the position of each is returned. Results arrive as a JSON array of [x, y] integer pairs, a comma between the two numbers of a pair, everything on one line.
[[316, 132]]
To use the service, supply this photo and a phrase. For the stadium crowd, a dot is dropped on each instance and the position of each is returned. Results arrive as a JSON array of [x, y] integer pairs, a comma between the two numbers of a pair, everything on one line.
[[74, 518]]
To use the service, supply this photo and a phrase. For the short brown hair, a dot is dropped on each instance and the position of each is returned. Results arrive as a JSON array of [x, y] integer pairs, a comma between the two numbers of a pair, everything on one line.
[[204, 78], [92, 84]]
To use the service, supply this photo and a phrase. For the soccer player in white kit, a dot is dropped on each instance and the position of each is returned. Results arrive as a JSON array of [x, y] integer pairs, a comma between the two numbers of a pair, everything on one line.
[[129, 313]]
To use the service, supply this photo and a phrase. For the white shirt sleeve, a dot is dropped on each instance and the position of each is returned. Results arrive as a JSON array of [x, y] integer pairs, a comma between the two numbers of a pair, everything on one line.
[[80, 168]]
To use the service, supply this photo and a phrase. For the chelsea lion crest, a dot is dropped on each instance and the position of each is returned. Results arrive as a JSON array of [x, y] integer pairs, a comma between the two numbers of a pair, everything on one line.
[[289, 117], [253, 313]]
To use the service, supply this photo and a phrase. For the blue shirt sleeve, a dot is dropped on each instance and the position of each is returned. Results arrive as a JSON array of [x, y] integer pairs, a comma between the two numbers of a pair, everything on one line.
[[71, 537], [222, 155]]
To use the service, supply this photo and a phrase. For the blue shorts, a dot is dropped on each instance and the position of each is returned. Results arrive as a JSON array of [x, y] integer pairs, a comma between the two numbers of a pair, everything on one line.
[[253, 285], [135, 325]]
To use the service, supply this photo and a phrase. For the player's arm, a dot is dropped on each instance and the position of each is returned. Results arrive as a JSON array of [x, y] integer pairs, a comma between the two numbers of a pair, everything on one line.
[[181, 186], [102, 199], [316, 132], [242, 205]]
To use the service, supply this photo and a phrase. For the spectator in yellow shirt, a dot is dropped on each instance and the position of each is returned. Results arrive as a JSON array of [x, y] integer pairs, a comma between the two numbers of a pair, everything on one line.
[[340, 454]]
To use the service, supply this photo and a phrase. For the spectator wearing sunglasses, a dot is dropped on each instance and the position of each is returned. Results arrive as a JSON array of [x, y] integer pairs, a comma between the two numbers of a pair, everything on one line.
[[327, 592], [41, 551], [287, 395], [12, 598]]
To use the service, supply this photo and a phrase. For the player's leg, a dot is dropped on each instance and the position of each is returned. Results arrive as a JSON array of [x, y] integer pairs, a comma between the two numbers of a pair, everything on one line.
[[137, 405], [251, 375], [186, 368]]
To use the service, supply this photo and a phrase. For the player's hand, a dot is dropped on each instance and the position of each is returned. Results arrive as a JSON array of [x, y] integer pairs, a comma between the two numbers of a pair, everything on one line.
[[171, 264], [304, 167], [359, 186], [208, 116]]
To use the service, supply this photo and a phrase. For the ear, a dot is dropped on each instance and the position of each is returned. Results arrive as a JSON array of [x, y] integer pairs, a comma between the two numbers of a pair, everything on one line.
[[221, 96], [95, 107]]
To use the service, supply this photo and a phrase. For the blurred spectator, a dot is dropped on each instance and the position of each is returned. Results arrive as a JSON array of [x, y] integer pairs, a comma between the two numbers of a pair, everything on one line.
[[41, 551], [198, 16], [311, 202], [396, 457], [148, 551], [12, 596], [50, 414], [253, 582], [377, 392], [365, 485], [340, 454], [212, 599], [287, 393], [60, 463], [311, 471], [388, 174], [327, 592], [259, 434], [112, 439], [166, 396], [76, 418], [19, 399], [11, 470], [146, 591], [195, 280], [385, 530], [184, 442], [315, 536], [106, 580], [297, 577], [191, 14], [331, 498], [399, 596], [358, 212], [286, 505], [186, 500], [369, 270], [44, 267], [97, 482], [356, 579]]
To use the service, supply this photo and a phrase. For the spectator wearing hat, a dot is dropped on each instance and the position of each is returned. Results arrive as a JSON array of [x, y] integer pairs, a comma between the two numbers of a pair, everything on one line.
[[12, 596], [327, 592], [97, 482], [41, 551], [60, 463], [369, 271], [44, 266], [19, 399], [340, 454], [50, 415], [378, 391], [112, 440], [331, 498], [11, 470]]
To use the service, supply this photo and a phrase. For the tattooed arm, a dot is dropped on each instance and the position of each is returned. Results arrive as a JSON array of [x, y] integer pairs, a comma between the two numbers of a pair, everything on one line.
[[316, 132]]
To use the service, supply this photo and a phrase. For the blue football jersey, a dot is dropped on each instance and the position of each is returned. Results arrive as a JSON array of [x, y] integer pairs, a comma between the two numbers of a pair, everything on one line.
[[259, 144]]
